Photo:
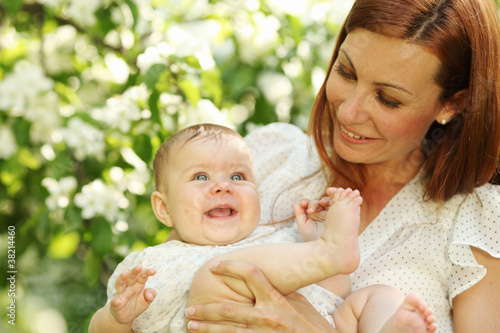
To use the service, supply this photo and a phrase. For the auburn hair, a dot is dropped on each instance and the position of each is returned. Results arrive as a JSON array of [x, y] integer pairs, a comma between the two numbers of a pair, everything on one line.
[[465, 37]]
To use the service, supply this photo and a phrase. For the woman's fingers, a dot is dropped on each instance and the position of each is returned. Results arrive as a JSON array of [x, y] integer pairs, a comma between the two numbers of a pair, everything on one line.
[[231, 317], [254, 278], [219, 312], [196, 326]]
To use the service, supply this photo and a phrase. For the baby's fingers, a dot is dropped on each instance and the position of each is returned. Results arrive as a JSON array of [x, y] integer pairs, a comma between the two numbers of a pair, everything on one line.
[[130, 278], [300, 213], [149, 295], [316, 206], [304, 203]]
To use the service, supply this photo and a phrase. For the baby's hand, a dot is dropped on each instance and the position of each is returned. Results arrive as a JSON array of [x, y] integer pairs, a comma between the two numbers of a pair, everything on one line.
[[310, 216], [131, 298]]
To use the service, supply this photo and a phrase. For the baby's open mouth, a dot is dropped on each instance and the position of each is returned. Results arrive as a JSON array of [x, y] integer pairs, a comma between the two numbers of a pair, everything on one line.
[[221, 212]]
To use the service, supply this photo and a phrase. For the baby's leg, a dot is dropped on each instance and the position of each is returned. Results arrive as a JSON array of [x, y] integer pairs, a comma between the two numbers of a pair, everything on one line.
[[342, 225], [383, 309]]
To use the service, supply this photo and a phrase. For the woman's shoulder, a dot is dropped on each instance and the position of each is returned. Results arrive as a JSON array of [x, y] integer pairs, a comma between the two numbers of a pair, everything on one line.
[[287, 169], [482, 204], [476, 219]]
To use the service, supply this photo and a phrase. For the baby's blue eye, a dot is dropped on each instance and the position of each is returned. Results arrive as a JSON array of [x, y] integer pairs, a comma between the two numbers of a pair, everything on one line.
[[236, 177], [201, 177]]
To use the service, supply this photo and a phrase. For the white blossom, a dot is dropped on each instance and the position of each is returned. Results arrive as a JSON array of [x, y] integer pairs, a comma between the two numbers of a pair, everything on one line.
[[83, 138], [58, 49], [83, 12], [43, 113], [98, 199], [60, 191], [257, 34], [22, 86], [118, 67], [275, 86], [121, 110], [8, 144], [133, 181], [196, 39], [206, 112], [152, 55]]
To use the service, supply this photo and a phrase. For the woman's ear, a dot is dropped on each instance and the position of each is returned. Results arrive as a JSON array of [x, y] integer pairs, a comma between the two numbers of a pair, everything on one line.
[[158, 202], [453, 107]]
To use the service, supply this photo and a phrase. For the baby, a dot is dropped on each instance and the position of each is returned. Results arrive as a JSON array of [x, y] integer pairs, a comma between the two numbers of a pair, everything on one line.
[[206, 190]]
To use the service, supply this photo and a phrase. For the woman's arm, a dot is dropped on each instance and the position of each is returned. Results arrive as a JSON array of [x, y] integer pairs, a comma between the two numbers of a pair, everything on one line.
[[272, 311], [478, 308], [288, 266]]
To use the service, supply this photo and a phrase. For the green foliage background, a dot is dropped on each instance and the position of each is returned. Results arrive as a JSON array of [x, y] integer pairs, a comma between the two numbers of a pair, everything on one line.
[[89, 90]]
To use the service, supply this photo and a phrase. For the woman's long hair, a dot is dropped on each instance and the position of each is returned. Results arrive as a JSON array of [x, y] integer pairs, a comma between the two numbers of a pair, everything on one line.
[[465, 36]]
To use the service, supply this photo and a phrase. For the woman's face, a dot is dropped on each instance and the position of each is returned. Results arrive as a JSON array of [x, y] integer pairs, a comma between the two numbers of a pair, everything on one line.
[[384, 97]]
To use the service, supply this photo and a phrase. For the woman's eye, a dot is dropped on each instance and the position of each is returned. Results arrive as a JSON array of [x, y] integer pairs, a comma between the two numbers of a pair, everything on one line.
[[237, 177], [386, 102], [201, 177], [344, 74]]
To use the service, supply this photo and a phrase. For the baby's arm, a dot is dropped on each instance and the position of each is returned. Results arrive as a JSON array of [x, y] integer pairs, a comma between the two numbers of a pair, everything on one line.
[[130, 301], [290, 266]]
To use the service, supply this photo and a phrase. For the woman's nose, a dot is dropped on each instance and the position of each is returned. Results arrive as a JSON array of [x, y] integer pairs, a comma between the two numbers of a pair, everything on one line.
[[354, 109]]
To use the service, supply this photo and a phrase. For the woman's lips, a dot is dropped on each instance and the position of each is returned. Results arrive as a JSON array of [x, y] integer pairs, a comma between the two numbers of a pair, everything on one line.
[[351, 135]]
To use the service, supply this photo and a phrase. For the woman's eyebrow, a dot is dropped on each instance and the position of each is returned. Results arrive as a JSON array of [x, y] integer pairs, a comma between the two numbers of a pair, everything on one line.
[[348, 59], [383, 84]]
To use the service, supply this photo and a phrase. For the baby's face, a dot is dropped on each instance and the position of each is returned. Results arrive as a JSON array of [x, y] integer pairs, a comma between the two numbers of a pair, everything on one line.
[[211, 194]]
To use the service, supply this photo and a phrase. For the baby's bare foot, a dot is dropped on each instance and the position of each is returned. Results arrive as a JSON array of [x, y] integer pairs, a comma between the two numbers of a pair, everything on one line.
[[413, 316], [342, 226]]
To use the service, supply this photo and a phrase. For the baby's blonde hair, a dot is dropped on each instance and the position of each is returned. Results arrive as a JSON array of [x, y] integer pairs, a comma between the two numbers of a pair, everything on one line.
[[199, 131]]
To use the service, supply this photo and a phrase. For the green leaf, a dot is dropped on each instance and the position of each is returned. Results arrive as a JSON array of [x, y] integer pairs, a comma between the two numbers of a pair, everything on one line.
[[27, 159], [12, 175], [143, 147], [133, 9], [102, 236], [153, 106], [12, 7], [104, 21], [212, 84], [92, 268], [64, 245], [153, 74], [191, 91], [192, 62], [21, 129]]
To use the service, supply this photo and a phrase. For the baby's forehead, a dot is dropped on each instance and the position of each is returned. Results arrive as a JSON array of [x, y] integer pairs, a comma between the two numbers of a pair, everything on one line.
[[220, 140]]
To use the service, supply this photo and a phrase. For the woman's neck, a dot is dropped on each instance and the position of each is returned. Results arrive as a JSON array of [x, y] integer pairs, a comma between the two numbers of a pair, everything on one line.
[[395, 172], [384, 181]]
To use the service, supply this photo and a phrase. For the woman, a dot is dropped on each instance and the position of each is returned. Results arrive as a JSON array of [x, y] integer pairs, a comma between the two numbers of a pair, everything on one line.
[[408, 114]]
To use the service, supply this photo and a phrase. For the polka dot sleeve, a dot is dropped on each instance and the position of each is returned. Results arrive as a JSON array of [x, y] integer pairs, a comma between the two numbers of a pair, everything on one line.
[[478, 225]]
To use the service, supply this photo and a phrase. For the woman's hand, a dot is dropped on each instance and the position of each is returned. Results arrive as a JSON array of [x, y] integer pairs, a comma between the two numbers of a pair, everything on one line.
[[272, 311]]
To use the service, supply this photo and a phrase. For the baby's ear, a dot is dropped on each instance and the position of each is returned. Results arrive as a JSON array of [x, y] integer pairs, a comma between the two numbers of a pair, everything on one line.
[[158, 202]]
